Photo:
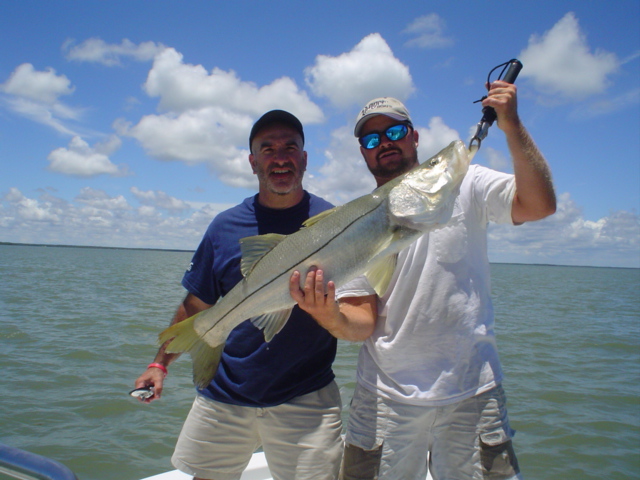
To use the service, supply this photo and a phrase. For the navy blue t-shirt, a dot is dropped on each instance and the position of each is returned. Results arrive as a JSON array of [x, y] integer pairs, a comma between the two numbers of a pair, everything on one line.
[[252, 372]]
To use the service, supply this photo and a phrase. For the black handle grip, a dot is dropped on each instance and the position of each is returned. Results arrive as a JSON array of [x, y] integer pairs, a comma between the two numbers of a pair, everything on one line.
[[488, 113], [510, 77], [514, 69]]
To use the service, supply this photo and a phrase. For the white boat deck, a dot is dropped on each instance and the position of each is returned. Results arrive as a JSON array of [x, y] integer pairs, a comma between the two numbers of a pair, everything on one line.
[[256, 470]]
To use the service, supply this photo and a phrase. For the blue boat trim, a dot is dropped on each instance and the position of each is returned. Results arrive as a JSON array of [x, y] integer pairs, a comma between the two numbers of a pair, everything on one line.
[[26, 465]]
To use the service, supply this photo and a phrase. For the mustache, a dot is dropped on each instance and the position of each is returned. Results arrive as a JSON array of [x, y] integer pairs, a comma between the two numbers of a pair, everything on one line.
[[381, 153]]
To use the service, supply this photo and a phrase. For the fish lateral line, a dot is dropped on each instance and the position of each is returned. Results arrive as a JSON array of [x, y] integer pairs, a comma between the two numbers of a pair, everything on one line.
[[279, 276]]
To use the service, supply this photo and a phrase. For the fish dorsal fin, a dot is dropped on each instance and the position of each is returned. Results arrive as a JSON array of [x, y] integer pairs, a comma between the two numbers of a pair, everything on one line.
[[316, 218], [254, 248], [380, 274], [272, 323]]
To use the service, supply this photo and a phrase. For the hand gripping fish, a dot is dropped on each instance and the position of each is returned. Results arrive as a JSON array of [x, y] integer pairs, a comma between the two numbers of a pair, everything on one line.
[[363, 236]]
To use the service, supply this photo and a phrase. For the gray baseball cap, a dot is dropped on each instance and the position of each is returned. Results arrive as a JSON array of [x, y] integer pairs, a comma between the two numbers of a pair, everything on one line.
[[389, 106]]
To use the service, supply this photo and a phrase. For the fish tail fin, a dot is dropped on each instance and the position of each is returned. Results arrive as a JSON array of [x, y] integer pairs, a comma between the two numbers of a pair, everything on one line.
[[205, 360], [182, 337]]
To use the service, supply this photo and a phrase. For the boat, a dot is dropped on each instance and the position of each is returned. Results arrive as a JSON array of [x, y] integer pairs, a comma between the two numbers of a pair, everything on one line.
[[17, 463], [23, 465], [256, 470], [20, 464]]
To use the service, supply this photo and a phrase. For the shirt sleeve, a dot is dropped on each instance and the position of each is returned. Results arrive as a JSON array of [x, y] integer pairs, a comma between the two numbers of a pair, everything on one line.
[[495, 190], [199, 279], [358, 287]]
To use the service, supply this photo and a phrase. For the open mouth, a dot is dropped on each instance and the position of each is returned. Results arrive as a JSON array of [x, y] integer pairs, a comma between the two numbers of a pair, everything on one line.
[[280, 172]]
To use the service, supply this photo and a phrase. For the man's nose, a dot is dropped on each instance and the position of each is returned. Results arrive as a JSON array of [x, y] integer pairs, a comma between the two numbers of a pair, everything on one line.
[[282, 155]]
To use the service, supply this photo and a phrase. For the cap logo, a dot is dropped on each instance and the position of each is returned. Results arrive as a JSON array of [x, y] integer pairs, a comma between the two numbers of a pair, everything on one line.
[[374, 106]]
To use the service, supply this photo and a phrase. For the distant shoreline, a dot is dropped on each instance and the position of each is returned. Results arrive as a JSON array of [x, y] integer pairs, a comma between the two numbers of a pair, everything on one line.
[[94, 246], [191, 251]]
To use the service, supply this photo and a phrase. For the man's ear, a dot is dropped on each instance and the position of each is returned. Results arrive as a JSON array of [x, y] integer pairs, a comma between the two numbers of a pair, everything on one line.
[[416, 136], [252, 162]]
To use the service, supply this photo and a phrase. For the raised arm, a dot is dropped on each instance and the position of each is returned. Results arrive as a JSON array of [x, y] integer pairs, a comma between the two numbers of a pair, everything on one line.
[[154, 376], [350, 319], [535, 197]]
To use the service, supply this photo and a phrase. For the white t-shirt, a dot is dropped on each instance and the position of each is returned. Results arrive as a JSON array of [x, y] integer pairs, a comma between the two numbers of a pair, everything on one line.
[[434, 342]]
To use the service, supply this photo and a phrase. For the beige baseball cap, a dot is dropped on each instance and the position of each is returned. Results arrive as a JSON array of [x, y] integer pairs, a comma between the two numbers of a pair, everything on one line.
[[389, 106]]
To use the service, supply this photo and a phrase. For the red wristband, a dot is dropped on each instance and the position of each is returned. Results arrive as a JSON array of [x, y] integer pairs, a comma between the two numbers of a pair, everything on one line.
[[160, 366]]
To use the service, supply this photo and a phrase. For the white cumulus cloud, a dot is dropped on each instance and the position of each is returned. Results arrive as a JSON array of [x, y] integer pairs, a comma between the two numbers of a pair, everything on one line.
[[561, 63], [80, 159], [101, 200], [30, 209], [428, 32], [182, 87], [369, 70], [45, 86], [568, 238], [94, 217], [36, 95], [344, 175], [206, 116], [159, 199], [434, 138], [97, 50]]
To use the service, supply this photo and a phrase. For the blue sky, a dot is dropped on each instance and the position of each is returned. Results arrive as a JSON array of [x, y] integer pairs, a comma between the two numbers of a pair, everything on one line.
[[126, 123]]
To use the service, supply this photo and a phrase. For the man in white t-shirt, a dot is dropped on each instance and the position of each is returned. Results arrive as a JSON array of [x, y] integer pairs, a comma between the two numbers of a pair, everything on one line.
[[428, 391]]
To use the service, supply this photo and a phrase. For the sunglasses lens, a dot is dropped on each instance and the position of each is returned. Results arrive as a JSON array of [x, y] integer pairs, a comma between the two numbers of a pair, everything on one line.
[[397, 132], [370, 141]]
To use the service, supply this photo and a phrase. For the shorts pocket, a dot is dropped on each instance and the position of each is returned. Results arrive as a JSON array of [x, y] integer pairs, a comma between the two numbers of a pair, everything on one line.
[[498, 436], [498, 460]]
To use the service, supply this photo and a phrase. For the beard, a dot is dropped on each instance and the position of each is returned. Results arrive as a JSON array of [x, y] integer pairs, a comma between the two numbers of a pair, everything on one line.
[[281, 186], [396, 168]]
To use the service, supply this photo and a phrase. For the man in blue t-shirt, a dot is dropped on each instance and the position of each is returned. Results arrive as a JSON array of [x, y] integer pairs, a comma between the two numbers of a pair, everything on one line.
[[280, 395]]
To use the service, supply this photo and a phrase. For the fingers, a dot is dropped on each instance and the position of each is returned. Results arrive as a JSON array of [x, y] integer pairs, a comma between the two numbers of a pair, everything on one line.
[[501, 92], [157, 391], [323, 296], [313, 293], [151, 379], [502, 97], [313, 287], [294, 287]]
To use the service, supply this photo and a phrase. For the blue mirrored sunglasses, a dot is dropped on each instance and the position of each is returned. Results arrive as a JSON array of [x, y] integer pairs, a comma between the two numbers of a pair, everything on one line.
[[393, 133]]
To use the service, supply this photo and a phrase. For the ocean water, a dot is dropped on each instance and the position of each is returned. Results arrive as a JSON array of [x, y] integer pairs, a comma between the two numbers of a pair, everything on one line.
[[78, 325]]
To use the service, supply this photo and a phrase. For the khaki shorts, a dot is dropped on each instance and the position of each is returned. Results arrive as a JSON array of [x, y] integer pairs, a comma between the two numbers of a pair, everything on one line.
[[301, 438], [470, 439]]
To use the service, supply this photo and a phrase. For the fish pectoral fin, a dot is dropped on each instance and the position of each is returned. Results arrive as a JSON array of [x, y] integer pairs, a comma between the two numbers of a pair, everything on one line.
[[271, 323], [254, 248], [380, 274], [316, 218]]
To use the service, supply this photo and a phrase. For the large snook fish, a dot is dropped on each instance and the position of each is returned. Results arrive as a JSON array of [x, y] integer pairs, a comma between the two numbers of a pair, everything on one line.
[[360, 237]]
